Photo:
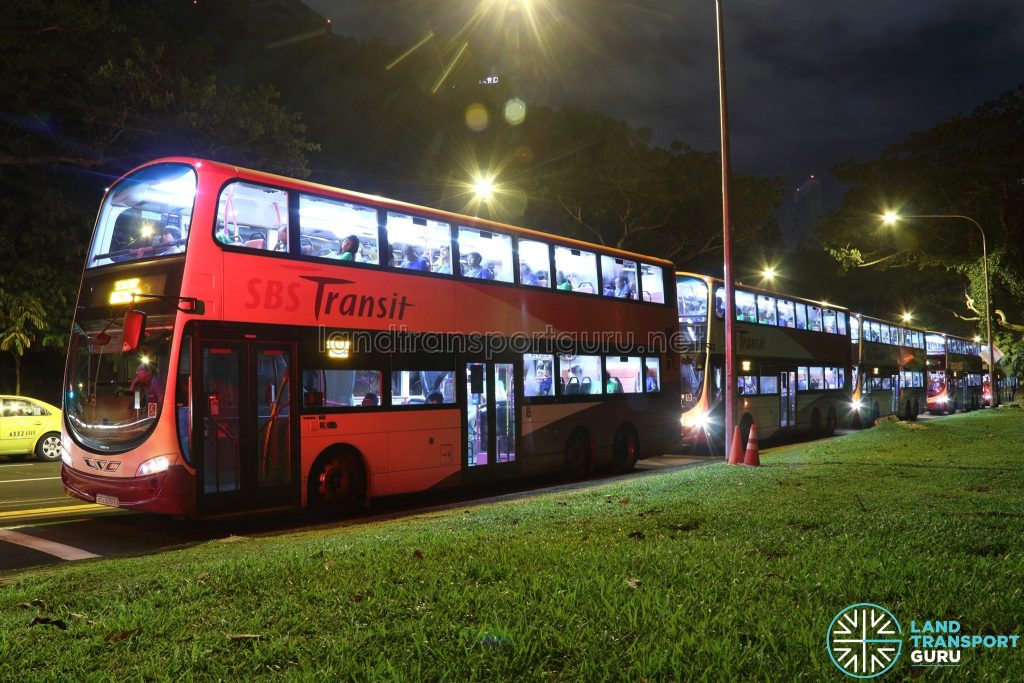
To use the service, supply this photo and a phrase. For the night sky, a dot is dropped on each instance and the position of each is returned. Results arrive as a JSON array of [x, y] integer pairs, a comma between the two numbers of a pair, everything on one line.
[[810, 83]]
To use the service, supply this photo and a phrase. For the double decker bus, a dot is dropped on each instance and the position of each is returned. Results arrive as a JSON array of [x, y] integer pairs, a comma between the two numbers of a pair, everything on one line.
[[793, 360], [954, 373], [889, 367], [244, 341]]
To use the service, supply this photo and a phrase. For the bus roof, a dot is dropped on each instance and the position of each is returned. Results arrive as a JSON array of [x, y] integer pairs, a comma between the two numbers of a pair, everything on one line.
[[394, 204], [761, 290]]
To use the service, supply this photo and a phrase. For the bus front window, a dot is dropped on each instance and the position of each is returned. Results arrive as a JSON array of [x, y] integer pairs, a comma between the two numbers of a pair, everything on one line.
[[145, 215], [113, 399]]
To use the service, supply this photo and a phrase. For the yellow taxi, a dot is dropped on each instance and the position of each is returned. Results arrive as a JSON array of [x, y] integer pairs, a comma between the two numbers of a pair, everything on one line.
[[28, 425]]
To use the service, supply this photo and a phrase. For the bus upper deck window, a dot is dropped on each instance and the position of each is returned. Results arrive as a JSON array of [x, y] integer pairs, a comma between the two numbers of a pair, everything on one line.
[[534, 263], [652, 281]]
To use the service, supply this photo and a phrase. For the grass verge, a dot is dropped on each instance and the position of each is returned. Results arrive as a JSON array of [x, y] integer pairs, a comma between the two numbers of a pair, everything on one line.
[[702, 574]]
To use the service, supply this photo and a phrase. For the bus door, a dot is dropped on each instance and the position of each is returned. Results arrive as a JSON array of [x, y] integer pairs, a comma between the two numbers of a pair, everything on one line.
[[245, 426], [489, 404], [787, 399]]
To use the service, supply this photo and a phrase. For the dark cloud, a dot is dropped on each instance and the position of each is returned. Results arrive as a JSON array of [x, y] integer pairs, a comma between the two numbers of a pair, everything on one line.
[[810, 83]]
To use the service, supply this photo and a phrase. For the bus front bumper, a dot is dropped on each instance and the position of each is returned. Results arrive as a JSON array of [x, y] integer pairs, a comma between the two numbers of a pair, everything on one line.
[[168, 492]]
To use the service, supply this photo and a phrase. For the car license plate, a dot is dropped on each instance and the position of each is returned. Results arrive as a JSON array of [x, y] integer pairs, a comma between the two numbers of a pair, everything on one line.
[[103, 499]]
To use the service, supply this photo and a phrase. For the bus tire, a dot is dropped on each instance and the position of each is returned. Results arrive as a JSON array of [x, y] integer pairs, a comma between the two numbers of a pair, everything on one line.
[[876, 412], [917, 409], [815, 421], [577, 453], [830, 421], [337, 482], [625, 449], [48, 447], [855, 422], [745, 422], [908, 413]]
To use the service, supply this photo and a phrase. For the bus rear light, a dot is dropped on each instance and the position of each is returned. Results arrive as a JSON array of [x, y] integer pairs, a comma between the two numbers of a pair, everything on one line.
[[153, 466]]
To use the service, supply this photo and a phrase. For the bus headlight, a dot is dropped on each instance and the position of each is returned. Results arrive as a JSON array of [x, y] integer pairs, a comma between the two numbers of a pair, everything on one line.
[[65, 456], [856, 405], [153, 466], [942, 399], [696, 420]]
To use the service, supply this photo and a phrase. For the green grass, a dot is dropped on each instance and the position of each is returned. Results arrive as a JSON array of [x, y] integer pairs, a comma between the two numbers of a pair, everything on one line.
[[702, 574]]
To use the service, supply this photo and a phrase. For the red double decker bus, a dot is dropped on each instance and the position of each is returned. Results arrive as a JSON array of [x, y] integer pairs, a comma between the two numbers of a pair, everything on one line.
[[244, 341]]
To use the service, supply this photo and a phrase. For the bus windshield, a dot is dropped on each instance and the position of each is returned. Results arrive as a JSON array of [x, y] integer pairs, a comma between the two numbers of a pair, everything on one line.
[[112, 399], [146, 215]]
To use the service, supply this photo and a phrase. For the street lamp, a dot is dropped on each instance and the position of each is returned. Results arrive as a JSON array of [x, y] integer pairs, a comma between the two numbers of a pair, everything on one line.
[[891, 217], [727, 275]]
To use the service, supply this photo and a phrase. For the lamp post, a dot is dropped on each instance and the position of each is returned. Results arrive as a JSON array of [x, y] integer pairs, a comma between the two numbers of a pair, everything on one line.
[[890, 218], [727, 275]]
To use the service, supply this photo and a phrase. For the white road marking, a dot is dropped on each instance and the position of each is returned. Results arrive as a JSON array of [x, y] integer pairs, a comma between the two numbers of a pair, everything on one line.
[[64, 552], [15, 481]]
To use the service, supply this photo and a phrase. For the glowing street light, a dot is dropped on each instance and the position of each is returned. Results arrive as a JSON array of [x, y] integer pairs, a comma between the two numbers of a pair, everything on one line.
[[768, 273], [483, 188], [891, 218], [907, 317]]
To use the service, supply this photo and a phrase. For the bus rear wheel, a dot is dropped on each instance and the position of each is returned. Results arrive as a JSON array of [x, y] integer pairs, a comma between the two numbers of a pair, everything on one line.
[[908, 414], [917, 409], [577, 454], [831, 421], [815, 422], [625, 449], [337, 483]]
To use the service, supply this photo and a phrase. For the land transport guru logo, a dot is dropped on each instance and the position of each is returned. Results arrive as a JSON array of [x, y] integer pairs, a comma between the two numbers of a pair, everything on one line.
[[864, 640]]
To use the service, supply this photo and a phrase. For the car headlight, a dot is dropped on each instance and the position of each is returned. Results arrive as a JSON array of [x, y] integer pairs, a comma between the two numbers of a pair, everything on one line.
[[153, 466]]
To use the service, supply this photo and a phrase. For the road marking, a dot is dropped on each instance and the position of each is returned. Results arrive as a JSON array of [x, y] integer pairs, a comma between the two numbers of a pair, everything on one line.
[[58, 510], [23, 464], [26, 501], [15, 481], [64, 552]]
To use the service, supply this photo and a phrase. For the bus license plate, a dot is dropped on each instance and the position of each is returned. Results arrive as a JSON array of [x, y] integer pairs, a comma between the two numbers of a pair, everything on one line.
[[102, 499]]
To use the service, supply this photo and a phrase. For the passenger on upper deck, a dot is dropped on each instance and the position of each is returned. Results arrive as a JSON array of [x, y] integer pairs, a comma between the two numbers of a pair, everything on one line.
[[349, 248], [413, 261], [473, 267], [443, 262]]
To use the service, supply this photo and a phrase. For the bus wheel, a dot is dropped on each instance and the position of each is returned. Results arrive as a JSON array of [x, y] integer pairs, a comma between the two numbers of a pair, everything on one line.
[[876, 412], [815, 421], [917, 409], [577, 454], [337, 483], [830, 421], [908, 413], [855, 420], [48, 447], [625, 450]]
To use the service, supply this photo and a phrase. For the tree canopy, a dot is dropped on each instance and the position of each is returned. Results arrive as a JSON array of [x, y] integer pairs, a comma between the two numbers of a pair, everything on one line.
[[968, 165]]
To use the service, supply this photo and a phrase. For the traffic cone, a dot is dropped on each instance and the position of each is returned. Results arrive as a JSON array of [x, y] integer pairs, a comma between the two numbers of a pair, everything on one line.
[[736, 448], [752, 457]]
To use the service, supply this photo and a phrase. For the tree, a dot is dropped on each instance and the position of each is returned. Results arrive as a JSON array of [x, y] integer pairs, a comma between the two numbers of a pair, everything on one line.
[[22, 323], [968, 165]]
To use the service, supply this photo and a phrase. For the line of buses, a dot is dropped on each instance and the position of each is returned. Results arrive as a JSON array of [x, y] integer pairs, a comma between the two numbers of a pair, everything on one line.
[[246, 342]]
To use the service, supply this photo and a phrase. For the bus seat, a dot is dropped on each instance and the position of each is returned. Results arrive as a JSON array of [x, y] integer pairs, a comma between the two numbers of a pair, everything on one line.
[[572, 387], [585, 386], [587, 287], [254, 244]]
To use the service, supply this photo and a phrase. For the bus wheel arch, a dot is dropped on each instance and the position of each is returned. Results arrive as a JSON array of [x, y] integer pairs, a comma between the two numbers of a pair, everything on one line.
[[337, 481], [815, 421], [625, 448], [578, 453]]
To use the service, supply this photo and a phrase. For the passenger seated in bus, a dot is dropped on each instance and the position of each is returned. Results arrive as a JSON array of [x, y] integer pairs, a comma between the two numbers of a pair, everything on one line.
[[412, 261], [473, 267], [435, 397], [526, 275], [564, 283], [443, 262], [371, 399], [148, 384], [624, 288], [282, 239], [613, 385], [167, 242], [349, 249], [652, 379]]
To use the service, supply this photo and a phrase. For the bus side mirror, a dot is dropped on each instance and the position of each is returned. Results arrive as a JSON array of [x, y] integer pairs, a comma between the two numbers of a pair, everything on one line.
[[134, 329]]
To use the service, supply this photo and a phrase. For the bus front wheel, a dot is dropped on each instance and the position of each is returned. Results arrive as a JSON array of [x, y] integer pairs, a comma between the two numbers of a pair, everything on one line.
[[625, 450], [337, 483], [577, 454]]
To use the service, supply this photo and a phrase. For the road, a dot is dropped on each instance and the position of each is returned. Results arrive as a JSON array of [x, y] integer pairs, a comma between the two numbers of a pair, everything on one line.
[[39, 525]]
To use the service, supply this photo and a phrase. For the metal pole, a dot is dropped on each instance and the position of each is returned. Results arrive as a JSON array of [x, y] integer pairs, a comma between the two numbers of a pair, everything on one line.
[[730, 307], [988, 303]]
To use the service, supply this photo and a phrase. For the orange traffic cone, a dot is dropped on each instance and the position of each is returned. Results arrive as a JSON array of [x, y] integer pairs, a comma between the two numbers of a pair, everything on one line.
[[736, 448], [752, 457]]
